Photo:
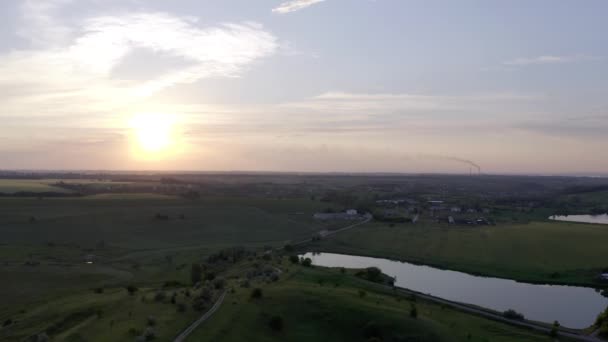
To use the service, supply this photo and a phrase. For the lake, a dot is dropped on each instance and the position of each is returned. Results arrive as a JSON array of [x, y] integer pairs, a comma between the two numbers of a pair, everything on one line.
[[573, 307], [600, 219]]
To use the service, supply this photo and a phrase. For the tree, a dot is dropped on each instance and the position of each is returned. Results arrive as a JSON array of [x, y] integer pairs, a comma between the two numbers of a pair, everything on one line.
[[219, 283], [256, 293], [294, 259], [307, 262], [512, 314], [554, 329], [196, 273], [131, 289], [413, 311], [276, 323]]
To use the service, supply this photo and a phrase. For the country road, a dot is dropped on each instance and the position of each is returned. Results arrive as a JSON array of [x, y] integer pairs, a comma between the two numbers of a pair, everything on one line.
[[184, 335]]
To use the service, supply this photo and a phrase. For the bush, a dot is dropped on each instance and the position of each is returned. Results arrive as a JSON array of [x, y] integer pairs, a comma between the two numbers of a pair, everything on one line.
[[7, 322], [414, 311], [276, 323], [362, 293], [159, 296], [512, 314], [181, 307], [245, 283], [149, 334], [372, 330], [294, 259], [151, 321], [219, 283], [42, 337], [554, 329], [256, 293], [196, 273], [134, 332], [98, 290], [307, 262], [131, 289]]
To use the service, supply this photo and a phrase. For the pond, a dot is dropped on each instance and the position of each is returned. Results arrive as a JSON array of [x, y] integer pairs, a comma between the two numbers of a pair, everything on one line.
[[600, 219], [573, 307]]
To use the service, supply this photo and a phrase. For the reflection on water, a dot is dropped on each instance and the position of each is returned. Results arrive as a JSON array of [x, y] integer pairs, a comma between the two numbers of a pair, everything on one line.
[[573, 307], [601, 219]]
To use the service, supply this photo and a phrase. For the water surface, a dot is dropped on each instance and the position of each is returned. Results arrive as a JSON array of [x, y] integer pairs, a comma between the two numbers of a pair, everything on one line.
[[600, 219], [573, 307]]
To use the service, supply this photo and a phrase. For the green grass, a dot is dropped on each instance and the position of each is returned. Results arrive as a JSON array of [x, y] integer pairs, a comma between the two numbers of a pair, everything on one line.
[[128, 242], [538, 251], [10, 186], [334, 311]]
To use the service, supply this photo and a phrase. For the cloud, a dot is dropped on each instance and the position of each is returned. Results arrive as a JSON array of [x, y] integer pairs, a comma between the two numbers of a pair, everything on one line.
[[386, 103], [77, 68], [294, 5], [549, 59]]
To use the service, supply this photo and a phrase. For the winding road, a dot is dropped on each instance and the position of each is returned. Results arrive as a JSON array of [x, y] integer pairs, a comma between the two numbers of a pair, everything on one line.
[[182, 337]]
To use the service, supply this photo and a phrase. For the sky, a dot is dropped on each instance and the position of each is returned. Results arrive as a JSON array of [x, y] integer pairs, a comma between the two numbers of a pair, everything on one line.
[[306, 85]]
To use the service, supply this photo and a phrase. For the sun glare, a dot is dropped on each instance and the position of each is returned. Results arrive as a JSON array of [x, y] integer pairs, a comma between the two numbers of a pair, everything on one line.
[[153, 133]]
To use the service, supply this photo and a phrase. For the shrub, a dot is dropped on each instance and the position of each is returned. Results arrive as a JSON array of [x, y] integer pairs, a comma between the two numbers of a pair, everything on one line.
[[294, 259], [196, 273], [245, 283], [512, 314], [372, 330], [276, 323], [307, 262], [413, 311], [151, 321], [42, 337], [98, 290], [219, 283], [159, 296], [256, 293], [149, 334], [132, 289], [362, 293], [134, 332], [554, 329], [7, 322], [181, 307]]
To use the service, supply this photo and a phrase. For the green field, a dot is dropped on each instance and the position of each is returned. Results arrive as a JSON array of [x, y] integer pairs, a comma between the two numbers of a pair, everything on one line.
[[324, 305], [10, 186], [316, 304], [538, 251], [45, 241]]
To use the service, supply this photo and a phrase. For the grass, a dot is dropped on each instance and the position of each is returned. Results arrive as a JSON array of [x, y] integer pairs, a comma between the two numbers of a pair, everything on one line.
[[45, 241], [10, 186], [556, 252], [318, 304]]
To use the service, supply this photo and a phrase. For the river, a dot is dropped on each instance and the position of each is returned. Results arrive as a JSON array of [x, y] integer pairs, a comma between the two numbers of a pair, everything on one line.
[[572, 306]]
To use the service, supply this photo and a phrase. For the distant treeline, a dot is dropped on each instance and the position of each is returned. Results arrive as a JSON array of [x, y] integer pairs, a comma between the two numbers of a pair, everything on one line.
[[40, 194], [577, 189]]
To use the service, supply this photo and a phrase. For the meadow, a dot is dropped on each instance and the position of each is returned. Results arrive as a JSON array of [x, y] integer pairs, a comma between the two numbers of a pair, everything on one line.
[[314, 303], [553, 252], [318, 304], [10, 186], [129, 238]]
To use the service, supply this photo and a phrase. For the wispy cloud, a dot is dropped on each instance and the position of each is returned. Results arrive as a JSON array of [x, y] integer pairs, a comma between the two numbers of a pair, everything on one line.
[[550, 59], [75, 69], [294, 5]]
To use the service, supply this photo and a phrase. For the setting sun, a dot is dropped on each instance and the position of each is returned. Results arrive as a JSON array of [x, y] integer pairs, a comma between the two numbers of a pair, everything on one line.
[[153, 133]]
